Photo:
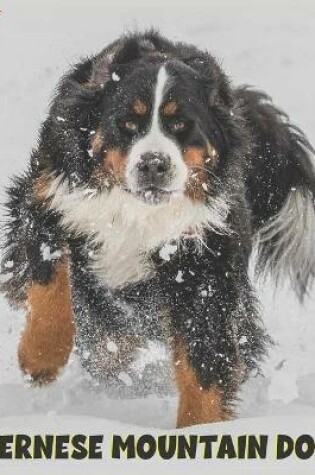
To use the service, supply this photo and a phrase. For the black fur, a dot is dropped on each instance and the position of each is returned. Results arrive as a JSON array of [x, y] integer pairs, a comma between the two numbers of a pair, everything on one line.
[[262, 157]]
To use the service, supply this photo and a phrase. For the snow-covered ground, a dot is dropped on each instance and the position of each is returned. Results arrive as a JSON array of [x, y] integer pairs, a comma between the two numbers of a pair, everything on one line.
[[266, 43]]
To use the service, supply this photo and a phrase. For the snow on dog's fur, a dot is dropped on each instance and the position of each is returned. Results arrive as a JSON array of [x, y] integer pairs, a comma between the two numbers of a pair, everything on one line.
[[152, 181], [114, 216]]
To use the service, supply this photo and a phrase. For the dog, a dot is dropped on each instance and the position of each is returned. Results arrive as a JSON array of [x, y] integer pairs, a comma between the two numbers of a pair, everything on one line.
[[153, 182]]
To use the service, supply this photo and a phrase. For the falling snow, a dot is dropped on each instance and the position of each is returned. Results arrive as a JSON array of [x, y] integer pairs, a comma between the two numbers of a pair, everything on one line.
[[179, 277], [112, 347], [115, 77], [47, 255], [167, 250], [289, 383]]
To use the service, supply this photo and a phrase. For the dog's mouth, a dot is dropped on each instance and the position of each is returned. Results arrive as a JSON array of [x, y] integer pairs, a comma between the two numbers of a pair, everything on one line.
[[153, 195]]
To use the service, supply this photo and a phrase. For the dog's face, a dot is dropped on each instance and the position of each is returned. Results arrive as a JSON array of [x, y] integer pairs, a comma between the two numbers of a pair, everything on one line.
[[155, 135]]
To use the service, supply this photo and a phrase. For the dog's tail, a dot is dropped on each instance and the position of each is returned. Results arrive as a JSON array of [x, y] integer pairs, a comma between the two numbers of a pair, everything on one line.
[[281, 191]]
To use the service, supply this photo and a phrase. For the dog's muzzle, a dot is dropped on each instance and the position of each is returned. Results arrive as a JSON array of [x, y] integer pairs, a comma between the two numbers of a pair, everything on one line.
[[154, 170]]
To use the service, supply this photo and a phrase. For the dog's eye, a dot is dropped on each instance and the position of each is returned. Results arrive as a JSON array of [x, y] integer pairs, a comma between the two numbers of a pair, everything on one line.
[[179, 126], [131, 126]]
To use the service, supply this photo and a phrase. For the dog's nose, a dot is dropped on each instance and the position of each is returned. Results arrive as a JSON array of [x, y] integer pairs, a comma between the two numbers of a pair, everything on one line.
[[152, 167]]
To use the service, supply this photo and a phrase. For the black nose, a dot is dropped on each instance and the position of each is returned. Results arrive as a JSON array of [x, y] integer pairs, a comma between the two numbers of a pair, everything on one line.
[[153, 168]]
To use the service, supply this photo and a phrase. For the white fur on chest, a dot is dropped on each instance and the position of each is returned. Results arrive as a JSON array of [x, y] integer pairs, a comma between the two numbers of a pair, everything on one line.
[[128, 229]]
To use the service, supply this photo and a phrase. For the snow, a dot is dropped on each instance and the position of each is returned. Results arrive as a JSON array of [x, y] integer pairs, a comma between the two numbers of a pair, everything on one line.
[[115, 77], [265, 43], [154, 353], [125, 378], [47, 254], [167, 250], [284, 386], [243, 340], [205, 186], [179, 277], [112, 347], [9, 264]]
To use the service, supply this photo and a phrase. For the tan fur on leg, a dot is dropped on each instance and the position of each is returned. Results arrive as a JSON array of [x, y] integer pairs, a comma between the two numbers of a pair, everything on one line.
[[196, 405], [48, 338]]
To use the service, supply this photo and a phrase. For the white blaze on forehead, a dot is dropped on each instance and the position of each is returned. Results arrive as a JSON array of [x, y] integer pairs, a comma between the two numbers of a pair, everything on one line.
[[158, 99], [156, 141]]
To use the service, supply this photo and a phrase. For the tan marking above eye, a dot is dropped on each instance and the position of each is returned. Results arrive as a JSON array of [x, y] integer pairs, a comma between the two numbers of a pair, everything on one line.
[[140, 107], [131, 126], [170, 108]]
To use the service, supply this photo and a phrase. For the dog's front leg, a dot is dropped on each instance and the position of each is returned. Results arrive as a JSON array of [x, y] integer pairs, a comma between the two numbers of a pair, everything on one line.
[[49, 334], [198, 404], [217, 341]]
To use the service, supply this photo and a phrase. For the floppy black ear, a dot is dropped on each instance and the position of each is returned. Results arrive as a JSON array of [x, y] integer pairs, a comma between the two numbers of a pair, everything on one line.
[[104, 65], [214, 81], [91, 75], [83, 87], [122, 53], [84, 84]]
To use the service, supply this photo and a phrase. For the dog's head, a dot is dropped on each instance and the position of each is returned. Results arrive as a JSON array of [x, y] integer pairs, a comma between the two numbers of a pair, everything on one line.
[[145, 115]]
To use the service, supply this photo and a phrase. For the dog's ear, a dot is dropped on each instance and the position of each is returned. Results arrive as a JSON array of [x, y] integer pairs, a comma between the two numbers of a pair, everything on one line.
[[93, 74], [85, 83], [213, 79], [117, 58]]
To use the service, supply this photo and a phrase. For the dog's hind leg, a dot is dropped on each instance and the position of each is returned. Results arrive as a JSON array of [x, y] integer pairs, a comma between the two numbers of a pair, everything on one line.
[[49, 334], [217, 339]]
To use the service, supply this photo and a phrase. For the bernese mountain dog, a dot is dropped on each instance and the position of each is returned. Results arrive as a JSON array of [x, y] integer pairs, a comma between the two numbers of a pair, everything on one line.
[[153, 182]]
